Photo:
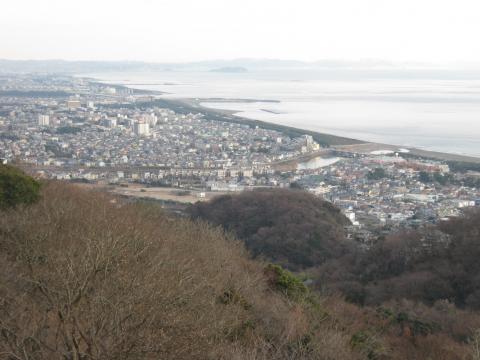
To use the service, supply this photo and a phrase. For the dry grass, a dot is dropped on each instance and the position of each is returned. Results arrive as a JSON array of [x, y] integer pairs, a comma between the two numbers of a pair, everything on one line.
[[82, 277], [85, 276]]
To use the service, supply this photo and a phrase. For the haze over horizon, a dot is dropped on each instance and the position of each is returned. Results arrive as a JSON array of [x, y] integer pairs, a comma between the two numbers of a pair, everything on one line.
[[438, 32]]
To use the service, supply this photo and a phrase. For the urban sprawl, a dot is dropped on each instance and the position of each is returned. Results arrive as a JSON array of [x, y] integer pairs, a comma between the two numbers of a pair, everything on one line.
[[76, 129]]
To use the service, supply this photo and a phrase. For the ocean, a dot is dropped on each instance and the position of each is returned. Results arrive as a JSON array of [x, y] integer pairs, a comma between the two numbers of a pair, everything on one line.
[[432, 110]]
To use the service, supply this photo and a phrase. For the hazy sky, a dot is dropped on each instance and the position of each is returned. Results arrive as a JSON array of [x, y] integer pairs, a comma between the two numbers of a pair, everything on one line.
[[186, 30]]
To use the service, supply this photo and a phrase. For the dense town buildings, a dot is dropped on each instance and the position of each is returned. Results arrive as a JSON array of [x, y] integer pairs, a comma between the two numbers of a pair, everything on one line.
[[75, 129]]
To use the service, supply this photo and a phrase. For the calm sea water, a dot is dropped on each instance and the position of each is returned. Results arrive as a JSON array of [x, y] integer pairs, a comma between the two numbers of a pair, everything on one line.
[[317, 163], [426, 109]]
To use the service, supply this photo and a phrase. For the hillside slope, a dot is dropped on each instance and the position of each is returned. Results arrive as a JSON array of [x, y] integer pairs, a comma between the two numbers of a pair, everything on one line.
[[291, 228], [84, 275]]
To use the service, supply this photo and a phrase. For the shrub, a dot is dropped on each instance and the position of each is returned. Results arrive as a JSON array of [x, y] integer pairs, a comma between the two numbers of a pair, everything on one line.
[[16, 187], [368, 344], [285, 282]]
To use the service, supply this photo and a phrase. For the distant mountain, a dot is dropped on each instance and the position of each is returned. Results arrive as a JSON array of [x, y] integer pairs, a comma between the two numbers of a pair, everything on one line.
[[78, 67], [345, 67], [230, 69], [235, 65]]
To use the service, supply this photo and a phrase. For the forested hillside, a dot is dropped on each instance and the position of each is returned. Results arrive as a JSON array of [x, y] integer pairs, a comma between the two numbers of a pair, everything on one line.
[[291, 228], [426, 281], [436, 264], [84, 275]]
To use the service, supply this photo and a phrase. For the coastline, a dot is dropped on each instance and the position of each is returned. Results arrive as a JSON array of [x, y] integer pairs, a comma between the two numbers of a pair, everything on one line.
[[335, 142], [368, 147]]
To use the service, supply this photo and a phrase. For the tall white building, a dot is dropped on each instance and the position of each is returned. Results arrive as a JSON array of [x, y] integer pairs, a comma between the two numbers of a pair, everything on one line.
[[150, 119], [310, 144], [43, 120], [141, 128], [111, 122], [308, 140]]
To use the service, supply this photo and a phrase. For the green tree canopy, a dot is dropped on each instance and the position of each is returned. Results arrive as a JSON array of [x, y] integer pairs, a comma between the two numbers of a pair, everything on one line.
[[16, 187]]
